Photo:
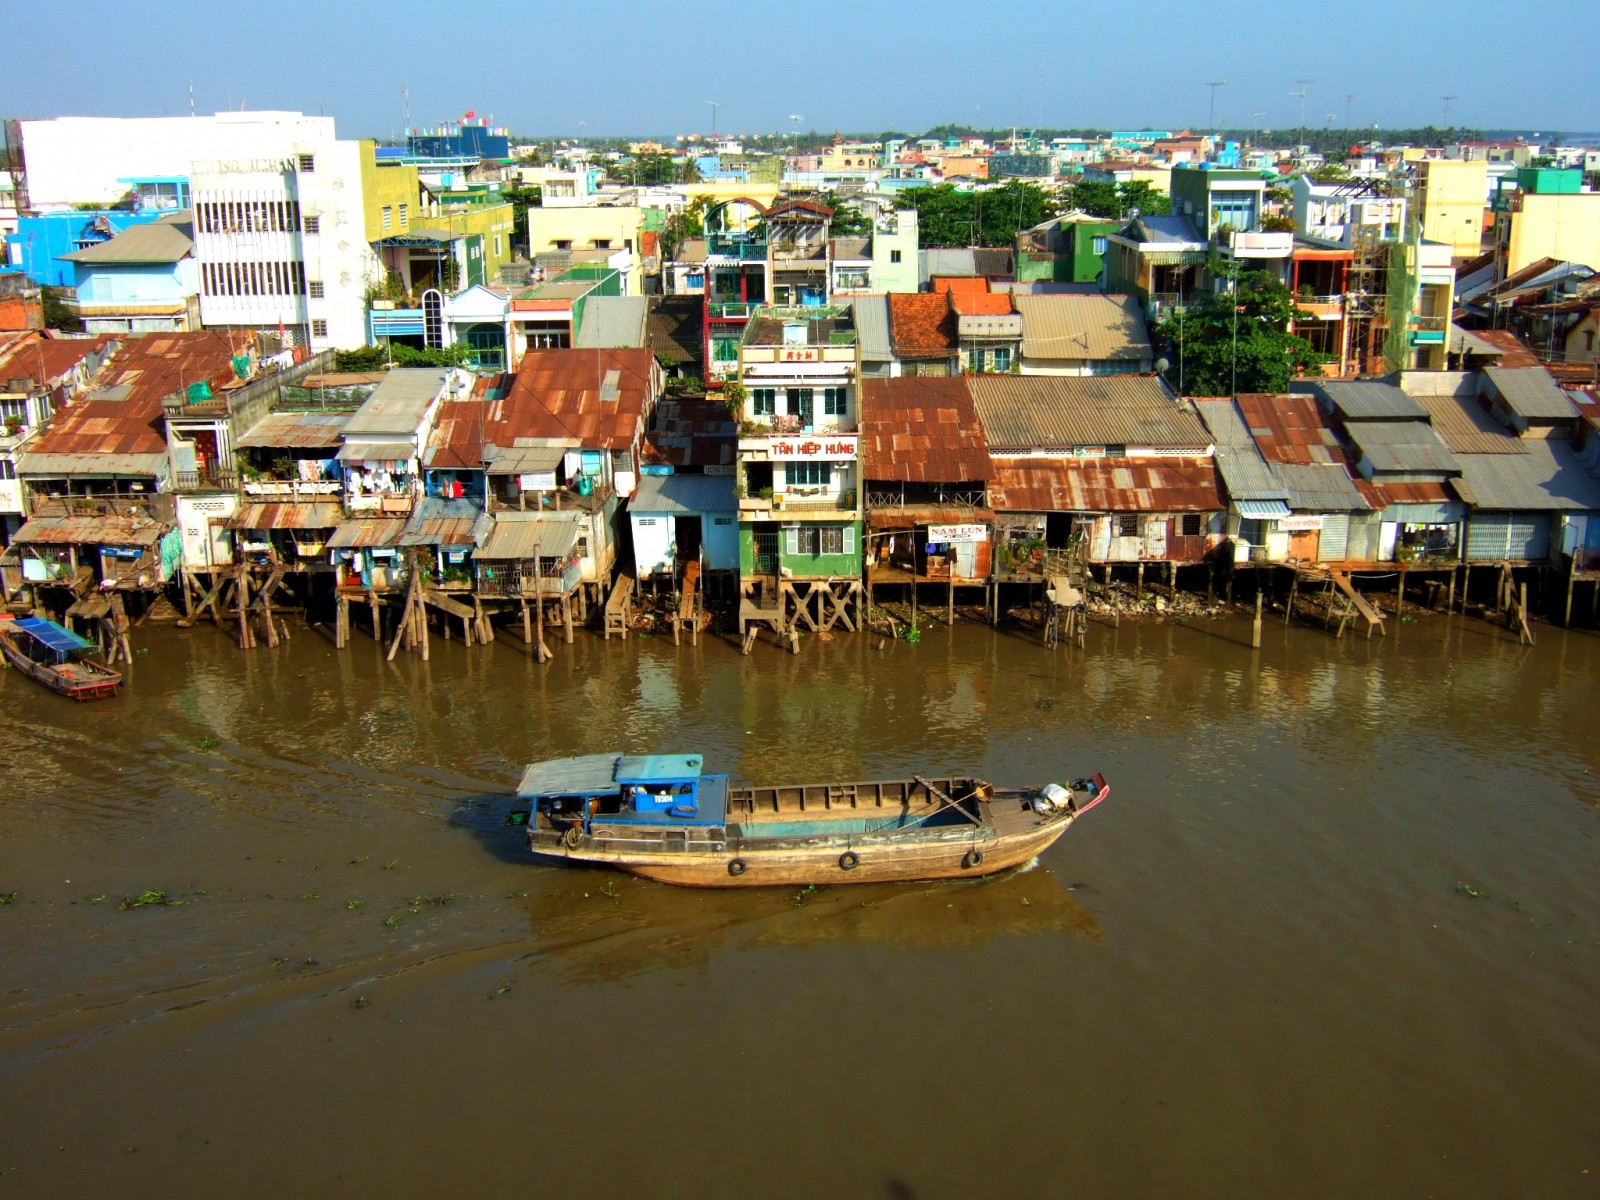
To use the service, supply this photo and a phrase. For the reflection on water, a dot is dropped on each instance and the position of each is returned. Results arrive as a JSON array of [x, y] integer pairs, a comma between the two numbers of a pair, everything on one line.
[[602, 927], [1334, 932]]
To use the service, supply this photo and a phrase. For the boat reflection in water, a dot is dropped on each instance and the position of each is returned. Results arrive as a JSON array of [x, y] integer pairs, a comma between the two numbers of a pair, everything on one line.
[[603, 927]]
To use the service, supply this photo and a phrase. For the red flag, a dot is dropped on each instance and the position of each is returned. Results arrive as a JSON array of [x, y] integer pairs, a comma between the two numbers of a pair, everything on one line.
[[471, 112]]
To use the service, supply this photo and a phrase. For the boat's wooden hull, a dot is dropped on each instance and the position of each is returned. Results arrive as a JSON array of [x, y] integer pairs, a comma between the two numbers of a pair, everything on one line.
[[76, 680], [886, 860]]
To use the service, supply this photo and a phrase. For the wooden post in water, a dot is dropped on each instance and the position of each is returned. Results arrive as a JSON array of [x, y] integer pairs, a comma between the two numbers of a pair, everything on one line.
[[1255, 629], [246, 641], [377, 616], [540, 652], [1572, 579], [1294, 590], [1450, 600]]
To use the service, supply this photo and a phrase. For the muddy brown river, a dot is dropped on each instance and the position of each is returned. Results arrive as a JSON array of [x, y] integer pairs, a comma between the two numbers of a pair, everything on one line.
[[1334, 934]]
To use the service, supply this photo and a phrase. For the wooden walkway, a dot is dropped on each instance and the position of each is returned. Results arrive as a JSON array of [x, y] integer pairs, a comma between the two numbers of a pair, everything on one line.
[[619, 607]]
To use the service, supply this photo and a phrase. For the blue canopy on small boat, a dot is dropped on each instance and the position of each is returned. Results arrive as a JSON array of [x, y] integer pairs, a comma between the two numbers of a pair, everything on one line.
[[52, 635]]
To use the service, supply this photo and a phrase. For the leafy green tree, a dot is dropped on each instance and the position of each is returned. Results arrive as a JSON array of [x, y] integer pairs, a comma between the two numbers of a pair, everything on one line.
[[688, 170], [521, 200], [680, 227], [951, 217], [1139, 194], [1240, 336], [56, 314], [376, 358], [848, 219], [1115, 201]]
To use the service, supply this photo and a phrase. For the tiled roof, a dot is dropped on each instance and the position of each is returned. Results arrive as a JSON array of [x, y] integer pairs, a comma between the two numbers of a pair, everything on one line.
[[1083, 327], [958, 283], [568, 394], [922, 324], [1042, 412], [1105, 485], [981, 304], [922, 430]]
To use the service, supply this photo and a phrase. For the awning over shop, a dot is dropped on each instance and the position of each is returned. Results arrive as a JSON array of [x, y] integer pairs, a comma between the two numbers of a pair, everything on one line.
[[525, 535], [1261, 510], [374, 531], [526, 460], [377, 452]]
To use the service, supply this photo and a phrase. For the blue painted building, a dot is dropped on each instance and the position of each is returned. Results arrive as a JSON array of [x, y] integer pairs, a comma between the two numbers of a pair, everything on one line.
[[469, 139], [41, 243]]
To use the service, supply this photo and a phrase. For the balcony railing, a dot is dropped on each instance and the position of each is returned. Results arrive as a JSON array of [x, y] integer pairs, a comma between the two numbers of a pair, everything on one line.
[[721, 245], [205, 481], [293, 489], [797, 502], [731, 310]]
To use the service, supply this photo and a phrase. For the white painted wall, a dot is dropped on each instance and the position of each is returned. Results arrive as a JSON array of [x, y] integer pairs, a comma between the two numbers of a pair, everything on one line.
[[80, 159]]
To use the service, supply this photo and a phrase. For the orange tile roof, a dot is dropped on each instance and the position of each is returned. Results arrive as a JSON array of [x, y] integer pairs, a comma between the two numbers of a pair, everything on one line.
[[982, 304], [958, 283], [922, 430], [922, 324]]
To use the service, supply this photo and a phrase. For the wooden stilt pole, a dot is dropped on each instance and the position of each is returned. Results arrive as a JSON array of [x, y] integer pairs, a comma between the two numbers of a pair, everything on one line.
[[1255, 629], [1450, 599], [246, 640], [377, 616]]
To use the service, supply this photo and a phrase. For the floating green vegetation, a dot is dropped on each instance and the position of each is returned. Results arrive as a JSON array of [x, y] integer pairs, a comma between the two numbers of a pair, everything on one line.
[[352, 905], [360, 1002], [356, 862], [499, 991], [391, 864], [205, 743], [805, 894], [145, 899], [7, 899], [436, 901]]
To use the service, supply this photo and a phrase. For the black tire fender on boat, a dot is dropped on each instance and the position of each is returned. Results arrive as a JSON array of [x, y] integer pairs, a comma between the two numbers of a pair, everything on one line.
[[736, 867], [974, 858], [572, 838], [849, 860]]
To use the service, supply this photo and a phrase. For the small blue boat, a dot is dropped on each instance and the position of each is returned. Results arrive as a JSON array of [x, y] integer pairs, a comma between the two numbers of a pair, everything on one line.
[[57, 658]]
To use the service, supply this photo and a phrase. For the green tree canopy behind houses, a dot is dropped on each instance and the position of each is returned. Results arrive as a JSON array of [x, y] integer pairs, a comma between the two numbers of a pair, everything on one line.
[[1115, 201], [950, 217], [1241, 335]]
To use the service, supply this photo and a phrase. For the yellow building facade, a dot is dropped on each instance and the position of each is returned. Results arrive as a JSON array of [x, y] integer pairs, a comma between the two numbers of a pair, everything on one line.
[[1451, 198], [1562, 226]]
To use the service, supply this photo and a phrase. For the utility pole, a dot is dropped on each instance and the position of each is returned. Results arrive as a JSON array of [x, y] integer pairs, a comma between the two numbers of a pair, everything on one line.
[[1447, 100], [1214, 84], [1349, 99], [715, 104], [405, 102], [1303, 93]]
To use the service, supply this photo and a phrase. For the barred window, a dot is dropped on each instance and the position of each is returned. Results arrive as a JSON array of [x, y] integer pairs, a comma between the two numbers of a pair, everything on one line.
[[319, 328], [315, 289]]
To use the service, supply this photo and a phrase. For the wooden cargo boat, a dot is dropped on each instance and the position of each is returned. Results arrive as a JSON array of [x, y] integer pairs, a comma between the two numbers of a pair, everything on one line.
[[57, 658], [660, 817]]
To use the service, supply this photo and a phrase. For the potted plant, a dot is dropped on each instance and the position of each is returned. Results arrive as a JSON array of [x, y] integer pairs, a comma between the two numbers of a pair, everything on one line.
[[13, 426]]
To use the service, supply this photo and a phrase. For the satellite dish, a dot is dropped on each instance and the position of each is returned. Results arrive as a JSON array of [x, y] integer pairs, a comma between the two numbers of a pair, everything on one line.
[[1161, 366]]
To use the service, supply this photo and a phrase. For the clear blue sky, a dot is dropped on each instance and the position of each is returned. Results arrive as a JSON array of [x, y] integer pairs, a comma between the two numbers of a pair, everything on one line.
[[630, 67]]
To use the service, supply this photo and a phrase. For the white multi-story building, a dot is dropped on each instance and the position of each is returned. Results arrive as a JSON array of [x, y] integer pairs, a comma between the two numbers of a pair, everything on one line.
[[80, 160], [282, 243]]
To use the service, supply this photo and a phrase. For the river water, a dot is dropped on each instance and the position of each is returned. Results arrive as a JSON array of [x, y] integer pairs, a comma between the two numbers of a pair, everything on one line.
[[1335, 933]]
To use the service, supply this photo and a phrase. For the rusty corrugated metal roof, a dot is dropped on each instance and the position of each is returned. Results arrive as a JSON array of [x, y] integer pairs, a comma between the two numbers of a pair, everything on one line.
[[368, 531], [1105, 485], [917, 429], [313, 514], [557, 394], [143, 370], [1044, 412], [908, 515], [44, 360], [458, 436], [99, 531], [691, 433], [1290, 429], [296, 431]]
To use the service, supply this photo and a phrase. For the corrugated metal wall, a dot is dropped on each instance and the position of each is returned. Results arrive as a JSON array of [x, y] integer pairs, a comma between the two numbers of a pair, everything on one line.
[[1514, 536]]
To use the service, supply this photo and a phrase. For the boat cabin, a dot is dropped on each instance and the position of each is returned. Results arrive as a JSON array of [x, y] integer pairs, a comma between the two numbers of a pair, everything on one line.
[[622, 789]]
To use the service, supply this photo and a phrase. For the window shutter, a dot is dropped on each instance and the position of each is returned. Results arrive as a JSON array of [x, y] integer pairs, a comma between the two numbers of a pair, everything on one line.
[[849, 539], [792, 541]]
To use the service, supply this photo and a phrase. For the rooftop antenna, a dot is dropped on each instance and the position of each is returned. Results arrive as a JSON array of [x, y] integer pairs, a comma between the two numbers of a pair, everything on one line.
[[715, 104], [1214, 84], [1303, 93], [1259, 129], [191, 97], [405, 101], [1349, 98], [1447, 100]]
